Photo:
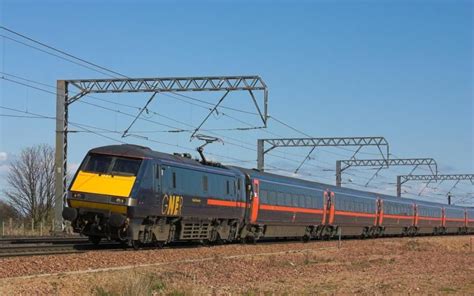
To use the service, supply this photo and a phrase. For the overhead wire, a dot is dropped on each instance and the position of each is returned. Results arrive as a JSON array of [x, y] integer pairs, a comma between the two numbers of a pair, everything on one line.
[[86, 128], [175, 129], [62, 51], [155, 122], [122, 75], [103, 68], [129, 106]]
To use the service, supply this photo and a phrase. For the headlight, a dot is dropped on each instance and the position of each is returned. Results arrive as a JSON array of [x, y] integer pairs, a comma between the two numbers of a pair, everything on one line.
[[120, 200], [78, 195]]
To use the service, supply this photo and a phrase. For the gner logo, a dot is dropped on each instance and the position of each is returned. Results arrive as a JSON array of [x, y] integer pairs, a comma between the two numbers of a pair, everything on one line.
[[171, 205]]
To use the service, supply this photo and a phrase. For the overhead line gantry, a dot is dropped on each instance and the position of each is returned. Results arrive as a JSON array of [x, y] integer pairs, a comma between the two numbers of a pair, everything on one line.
[[402, 179], [360, 142], [342, 165]]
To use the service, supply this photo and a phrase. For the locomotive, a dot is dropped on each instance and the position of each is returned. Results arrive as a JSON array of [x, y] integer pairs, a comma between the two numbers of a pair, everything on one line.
[[138, 196]]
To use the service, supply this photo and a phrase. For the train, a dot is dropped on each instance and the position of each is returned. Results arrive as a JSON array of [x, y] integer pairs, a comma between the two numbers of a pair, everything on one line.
[[138, 196]]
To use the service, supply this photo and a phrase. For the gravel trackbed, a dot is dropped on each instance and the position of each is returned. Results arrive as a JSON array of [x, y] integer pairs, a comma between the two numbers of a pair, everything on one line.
[[427, 265]]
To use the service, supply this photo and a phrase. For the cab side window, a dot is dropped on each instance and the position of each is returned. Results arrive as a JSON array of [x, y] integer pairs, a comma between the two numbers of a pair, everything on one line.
[[173, 184], [157, 177]]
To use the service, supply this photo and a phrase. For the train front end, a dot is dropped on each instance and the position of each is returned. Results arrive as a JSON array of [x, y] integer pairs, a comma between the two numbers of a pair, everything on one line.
[[101, 193]]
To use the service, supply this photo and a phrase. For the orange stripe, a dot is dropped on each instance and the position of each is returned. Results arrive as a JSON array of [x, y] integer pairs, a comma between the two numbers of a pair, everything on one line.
[[290, 209], [455, 220], [398, 216], [225, 203], [429, 218], [355, 214]]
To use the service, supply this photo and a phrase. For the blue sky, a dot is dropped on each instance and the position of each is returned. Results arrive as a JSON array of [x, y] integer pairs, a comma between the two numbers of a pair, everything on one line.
[[399, 69]]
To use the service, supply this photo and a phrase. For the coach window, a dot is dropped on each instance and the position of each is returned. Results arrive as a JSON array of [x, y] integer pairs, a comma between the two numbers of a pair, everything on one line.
[[280, 198], [272, 197], [227, 187], [288, 199], [302, 203], [263, 196], [294, 199]]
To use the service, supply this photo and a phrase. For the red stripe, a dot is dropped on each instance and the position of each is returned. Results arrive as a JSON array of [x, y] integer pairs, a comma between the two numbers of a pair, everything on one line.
[[397, 216], [429, 218], [455, 220], [225, 203], [290, 209], [355, 214]]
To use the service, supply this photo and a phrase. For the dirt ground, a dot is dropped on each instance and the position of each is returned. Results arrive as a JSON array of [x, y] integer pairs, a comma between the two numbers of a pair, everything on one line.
[[427, 265]]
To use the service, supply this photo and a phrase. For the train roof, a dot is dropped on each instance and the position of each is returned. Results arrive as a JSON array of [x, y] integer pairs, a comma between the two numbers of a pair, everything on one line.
[[367, 194], [136, 151], [129, 150]]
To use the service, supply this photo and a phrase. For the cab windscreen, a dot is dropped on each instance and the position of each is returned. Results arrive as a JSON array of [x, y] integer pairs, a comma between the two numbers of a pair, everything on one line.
[[111, 165]]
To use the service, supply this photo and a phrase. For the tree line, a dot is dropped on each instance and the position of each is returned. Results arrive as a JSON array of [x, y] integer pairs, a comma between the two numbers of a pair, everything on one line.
[[29, 192]]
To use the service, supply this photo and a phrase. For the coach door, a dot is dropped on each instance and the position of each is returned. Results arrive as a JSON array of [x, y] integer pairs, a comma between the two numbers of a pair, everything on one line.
[[443, 217], [415, 212], [465, 218], [329, 208], [254, 201], [379, 212]]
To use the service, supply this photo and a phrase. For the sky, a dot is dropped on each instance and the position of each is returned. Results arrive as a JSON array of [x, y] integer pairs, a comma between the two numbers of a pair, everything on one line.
[[398, 69]]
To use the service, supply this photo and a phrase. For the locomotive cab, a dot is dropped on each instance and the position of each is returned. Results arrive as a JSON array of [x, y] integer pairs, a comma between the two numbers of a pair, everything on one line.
[[101, 193]]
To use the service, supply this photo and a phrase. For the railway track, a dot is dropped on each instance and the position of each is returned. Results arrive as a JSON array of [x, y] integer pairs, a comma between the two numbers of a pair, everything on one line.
[[32, 250], [32, 246], [34, 240], [16, 247]]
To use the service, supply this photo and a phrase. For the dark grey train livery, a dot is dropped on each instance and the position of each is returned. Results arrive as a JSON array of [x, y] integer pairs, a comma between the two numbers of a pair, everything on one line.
[[133, 194]]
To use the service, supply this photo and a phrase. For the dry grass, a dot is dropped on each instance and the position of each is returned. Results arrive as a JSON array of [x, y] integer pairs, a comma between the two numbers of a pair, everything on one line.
[[24, 228], [400, 266], [132, 284]]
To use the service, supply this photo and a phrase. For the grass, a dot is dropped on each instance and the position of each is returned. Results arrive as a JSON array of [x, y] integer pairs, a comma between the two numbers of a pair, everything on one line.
[[135, 284], [448, 290], [176, 293], [361, 264], [414, 245], [308, 259]]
